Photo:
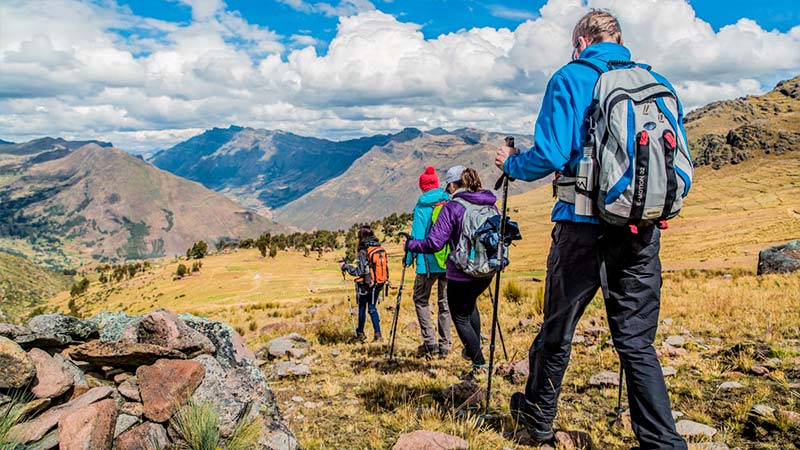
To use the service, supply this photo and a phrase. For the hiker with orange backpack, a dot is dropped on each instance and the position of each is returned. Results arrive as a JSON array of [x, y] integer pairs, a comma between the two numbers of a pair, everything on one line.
[[372, 273], [431, 269]]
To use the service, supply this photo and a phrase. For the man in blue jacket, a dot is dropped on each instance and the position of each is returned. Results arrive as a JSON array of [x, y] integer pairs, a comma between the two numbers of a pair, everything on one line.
[[429, 271], [579, 244]]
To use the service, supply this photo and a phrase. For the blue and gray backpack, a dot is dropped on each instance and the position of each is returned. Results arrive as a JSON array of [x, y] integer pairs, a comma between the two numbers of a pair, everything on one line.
[[643, 168]]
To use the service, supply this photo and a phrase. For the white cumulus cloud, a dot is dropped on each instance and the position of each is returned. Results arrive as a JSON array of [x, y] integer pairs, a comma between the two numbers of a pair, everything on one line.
[[67, 69]]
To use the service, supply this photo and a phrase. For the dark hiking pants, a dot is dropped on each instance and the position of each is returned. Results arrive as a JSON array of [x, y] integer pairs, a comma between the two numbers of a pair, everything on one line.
[[367, 299], [462, 296], [423, 284], [633, 270]]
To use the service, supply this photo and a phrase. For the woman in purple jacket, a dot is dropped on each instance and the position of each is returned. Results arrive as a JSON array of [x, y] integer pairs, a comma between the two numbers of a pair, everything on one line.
[[462, 290]]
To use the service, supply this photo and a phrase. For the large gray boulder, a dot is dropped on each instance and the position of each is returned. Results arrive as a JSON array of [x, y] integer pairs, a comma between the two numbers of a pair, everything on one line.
[[61, 323], [780, 259], [231, 348]]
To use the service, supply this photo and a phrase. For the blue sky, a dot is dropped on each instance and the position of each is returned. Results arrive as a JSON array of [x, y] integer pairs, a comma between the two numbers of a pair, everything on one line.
[[445, 16], [147, 74]]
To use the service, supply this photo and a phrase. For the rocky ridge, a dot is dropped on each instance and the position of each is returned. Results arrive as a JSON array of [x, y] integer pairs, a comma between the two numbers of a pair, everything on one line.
[[118, 381]]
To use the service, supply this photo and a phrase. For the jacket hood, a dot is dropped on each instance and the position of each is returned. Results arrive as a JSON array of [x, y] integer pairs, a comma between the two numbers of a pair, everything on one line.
[[370, 242], [606, 51], [433, 197], [484, 197]]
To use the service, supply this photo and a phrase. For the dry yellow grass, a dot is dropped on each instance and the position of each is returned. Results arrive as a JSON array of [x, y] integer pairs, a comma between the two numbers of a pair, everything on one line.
[[359, 401]]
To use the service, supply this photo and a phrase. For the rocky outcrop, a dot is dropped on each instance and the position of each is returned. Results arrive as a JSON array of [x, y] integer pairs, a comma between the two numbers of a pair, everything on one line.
[[780, 259], [742, 143], [121, 391]]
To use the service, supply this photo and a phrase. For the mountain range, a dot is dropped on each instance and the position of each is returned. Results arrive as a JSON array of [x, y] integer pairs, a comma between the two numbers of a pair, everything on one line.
[[69, 202], [263, 169], [312, 183]]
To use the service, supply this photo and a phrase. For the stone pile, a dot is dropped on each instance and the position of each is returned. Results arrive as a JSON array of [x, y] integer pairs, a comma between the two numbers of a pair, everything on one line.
[[116, 381]]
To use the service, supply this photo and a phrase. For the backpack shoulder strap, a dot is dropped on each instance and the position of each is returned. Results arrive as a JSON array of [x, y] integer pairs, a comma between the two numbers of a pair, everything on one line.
[[588, 63]]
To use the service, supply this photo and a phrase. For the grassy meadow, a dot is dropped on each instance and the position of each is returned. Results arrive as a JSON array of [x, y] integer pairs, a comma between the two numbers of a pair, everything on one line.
[[731, 319]]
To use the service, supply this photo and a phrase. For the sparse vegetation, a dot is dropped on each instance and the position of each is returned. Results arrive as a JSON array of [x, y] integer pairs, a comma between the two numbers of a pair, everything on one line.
[[181, 271]]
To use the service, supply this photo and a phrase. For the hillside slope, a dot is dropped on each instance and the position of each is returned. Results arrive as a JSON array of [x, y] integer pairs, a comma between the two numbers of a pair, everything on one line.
[[384, 180], [725, 314], [24, 285], [106, 204], [262, 169], [731, 131]]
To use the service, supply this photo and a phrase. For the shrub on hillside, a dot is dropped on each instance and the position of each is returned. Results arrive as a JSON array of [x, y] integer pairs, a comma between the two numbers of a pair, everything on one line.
[[198, 251], [79, 288], [181, 271]]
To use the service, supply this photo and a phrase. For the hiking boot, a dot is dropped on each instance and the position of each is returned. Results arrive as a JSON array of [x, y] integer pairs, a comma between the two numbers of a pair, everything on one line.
[[464, 354], [377, 338], [443, 352], [426, 351], [360, 337], [538, 431]]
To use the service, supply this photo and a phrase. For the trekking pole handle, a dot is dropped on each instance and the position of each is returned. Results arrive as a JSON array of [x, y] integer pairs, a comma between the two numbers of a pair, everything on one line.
[[509, 143]]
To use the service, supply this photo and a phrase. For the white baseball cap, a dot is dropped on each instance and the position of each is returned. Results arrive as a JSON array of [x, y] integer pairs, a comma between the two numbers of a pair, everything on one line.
[[454, 174]]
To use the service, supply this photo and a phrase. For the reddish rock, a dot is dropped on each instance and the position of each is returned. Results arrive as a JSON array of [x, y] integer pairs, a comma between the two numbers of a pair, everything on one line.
[[167, 385], [759, 370], [130, 389], [16, 368], [165, 329], [78, 390], [38, 427], [147, 436], [52, 378], [132, 409], [88, 428], [121, 354], [429, 440]]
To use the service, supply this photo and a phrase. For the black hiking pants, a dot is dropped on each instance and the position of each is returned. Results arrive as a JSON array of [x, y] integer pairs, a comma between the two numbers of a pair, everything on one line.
[[633, 270], [462, 296]]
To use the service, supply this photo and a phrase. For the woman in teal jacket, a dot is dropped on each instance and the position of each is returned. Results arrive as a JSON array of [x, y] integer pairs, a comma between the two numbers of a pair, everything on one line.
[[429, 271]]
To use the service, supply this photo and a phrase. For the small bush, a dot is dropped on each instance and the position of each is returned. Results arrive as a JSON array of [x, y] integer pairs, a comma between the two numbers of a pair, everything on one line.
[[253, 325], [10, 416], [198, 251], [246, 434], [198, 425], [181, 271], [514, 292], [79, 288]]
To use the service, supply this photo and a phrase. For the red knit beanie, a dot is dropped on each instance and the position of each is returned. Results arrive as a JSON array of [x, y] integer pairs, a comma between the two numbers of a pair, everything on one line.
[[428, 180]]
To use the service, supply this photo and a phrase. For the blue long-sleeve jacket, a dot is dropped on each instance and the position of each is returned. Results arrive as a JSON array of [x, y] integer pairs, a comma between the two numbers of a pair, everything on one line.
[[426, 264], [560, 128]]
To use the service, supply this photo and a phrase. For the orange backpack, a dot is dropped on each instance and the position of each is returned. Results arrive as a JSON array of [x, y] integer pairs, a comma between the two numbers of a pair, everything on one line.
[[378, 266]]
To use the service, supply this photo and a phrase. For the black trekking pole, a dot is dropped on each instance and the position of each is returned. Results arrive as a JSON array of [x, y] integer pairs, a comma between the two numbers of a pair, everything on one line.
[[499, 329], [349, 303], [502, 182], [397, 306]]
